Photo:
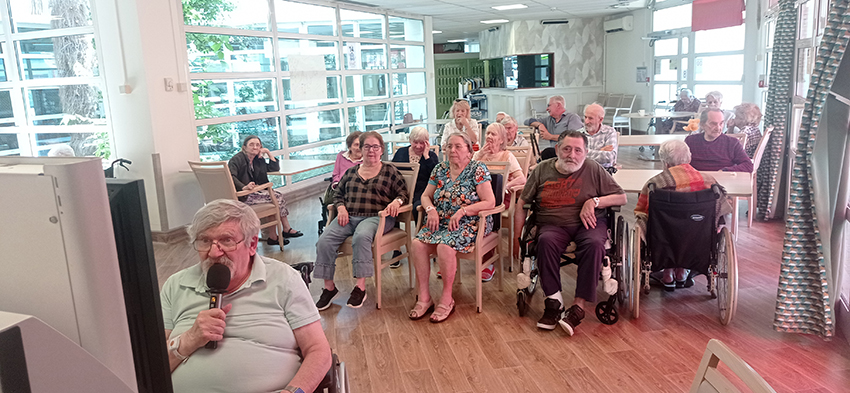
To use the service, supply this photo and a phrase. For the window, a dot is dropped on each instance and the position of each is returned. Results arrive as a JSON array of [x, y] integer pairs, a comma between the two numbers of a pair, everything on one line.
[[56, 95], [301, 76]]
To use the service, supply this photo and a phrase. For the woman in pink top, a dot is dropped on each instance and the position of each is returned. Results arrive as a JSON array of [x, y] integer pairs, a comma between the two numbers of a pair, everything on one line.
[[344, 161]]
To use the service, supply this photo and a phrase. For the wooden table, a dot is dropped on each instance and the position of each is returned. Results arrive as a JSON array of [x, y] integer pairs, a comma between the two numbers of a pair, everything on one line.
[[648, 140], [290, 167], [737, 185], [657, 115]]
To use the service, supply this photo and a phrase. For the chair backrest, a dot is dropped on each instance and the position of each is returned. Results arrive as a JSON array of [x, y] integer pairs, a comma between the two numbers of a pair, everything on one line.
[[499, 178], [614, 101], [522, 155], [741, 138], [628, 101], [436, 150], [410, 171], [601, 98], [760, 149], [709, 379], [537, 104], [215, 179], [681, 228]]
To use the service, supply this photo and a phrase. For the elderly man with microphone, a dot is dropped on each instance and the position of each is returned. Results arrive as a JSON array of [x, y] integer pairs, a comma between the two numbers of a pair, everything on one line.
[[269, 337]]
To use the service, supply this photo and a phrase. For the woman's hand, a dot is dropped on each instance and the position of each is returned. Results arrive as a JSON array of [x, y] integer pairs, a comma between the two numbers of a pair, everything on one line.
[[267, 152], [454, 221], [433, 220], [250, 186], [392, 208], [342, 216]]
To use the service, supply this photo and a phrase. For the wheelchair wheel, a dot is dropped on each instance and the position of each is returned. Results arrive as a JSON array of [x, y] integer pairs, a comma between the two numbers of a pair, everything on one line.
[[522, 299], [726, 275], [622, 271], [607, 313], [636, 281]]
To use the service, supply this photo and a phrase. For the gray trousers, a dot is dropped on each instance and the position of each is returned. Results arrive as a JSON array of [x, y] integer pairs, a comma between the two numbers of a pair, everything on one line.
[[362, 230]]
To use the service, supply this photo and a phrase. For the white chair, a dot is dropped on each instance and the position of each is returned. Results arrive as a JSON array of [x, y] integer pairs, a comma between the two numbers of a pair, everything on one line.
[[708, 378], [537, 106], [614, 101], [620, 121], [217, 183], [751, 211], [395, 238]]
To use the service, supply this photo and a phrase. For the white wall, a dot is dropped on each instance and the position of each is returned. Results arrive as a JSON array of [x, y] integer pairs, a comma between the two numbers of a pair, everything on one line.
[[624, 52], [149, 119]]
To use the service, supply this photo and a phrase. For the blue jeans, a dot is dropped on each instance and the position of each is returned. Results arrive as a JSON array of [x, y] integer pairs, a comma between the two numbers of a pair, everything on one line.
[[362, 230]]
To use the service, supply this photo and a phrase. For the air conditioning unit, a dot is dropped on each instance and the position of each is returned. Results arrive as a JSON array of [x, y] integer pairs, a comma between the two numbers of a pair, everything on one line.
[[625, 23]]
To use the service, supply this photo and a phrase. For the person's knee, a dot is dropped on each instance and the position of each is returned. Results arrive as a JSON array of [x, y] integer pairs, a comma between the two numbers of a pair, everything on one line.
[[363, 238], [549, 240]]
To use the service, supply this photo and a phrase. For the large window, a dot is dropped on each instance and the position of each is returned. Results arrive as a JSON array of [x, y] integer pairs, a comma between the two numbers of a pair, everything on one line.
[[51, 88], [702, 61], [303, 82]]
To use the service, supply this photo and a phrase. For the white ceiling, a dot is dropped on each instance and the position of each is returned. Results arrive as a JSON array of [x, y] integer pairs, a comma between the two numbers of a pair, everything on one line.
[[458, 19]]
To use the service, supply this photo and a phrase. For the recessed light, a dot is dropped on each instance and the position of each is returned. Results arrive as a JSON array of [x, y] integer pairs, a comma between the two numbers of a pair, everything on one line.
[[492, 21], [463, 40], [436, 31], [509, 7]]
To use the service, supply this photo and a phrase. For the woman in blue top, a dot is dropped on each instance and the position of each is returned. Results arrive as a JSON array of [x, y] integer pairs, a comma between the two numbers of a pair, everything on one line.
[[458, 190]]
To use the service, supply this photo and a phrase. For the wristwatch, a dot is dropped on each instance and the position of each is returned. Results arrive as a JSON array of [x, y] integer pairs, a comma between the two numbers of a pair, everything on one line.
[[292, 389], [429, 208], [174, 345], [596, 201]]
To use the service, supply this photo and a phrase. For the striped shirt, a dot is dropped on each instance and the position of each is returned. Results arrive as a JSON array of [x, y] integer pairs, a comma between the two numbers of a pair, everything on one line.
[[366, 197]]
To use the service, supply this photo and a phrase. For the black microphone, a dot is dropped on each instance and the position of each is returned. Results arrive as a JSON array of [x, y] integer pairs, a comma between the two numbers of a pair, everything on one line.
[[218, 279]]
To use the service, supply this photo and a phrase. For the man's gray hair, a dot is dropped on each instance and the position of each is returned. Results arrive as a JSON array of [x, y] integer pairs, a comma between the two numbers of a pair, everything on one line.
[[688, 92], [461, 135], [221, 211], [716, 94], [703, 117], [674, 152], [559, 99], [595, 107], [507, 119], [419, 133]]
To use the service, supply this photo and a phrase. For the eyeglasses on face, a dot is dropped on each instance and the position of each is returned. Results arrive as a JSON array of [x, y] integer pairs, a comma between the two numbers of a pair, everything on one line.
[[226, 244], [370, 147]]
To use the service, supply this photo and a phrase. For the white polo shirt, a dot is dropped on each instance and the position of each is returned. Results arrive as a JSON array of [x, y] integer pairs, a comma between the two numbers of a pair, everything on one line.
[[258, 352]]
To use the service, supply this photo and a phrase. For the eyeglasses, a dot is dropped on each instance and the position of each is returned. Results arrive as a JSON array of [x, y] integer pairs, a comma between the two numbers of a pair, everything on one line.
[[226, 244], [371, 147]]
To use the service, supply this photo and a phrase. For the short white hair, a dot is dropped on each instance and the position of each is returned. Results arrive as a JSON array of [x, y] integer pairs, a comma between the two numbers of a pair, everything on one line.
[[508, 120], [500, 130], [674, 152], [595, 107], [716, 94], [558, 99], [419, 133], [61, 151], [221, 211]]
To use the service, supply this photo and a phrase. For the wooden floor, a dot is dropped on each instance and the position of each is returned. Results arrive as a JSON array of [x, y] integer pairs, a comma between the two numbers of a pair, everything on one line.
[[497, 350]]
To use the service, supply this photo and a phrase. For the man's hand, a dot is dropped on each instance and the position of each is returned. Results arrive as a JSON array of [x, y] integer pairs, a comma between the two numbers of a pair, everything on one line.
[[544, 132], [392, 208], [607, 148], [588, 214], [209, 326], [342, 216]]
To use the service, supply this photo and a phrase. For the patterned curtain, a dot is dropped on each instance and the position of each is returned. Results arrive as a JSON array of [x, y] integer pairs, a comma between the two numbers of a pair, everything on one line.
[[803, 303], [776, 109]]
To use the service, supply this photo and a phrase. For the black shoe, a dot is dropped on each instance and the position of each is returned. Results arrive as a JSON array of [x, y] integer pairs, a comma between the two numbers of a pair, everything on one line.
[[275, 242], [325, 300], [572, 318], [551, 314], [357, 297], [396, 264], [292, 234], [687, 283]]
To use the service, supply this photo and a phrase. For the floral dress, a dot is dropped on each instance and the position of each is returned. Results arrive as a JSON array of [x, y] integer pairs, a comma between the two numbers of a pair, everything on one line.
[[448, 199]]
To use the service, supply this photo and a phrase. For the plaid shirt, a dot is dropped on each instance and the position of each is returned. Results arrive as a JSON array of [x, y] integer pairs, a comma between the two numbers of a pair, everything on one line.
[[604, 137], [365, 198]]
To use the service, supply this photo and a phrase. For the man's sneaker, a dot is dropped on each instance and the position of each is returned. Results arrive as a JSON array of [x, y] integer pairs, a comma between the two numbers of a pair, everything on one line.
[[551, 314], [488, 273], [325, 300], [396, 264], [572, 318], [357, 297]]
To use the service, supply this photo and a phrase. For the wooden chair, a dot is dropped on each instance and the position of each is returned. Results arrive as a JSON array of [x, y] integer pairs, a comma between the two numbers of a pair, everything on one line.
[[751, 210], [395, 238], [217, 183], [436, 149], [484, 243], [709, 379], [522, 155], [741, 138]]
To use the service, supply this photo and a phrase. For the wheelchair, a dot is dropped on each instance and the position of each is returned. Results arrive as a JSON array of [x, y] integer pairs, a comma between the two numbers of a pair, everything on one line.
[[615, 266], [324, 201], [682, 233]]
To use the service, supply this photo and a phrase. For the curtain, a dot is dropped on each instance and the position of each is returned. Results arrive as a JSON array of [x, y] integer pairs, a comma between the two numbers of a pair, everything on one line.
[[780, 83], [804, 303]]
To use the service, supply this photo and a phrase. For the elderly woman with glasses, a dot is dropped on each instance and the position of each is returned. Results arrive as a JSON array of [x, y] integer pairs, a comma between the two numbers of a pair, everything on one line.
[[746, 121], [364, 191], [463, 122], [459, 188]]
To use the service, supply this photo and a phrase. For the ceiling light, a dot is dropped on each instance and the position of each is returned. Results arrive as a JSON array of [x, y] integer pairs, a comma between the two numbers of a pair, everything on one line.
[[463, 40], [492, 21], [436, 31], [509, 7]]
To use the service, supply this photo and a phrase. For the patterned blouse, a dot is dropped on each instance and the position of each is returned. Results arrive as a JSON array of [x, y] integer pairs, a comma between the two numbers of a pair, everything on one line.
[[366, 197]]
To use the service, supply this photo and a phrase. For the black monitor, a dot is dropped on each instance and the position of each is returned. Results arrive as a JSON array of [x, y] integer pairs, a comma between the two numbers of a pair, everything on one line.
[[141, 288], [13, 364]]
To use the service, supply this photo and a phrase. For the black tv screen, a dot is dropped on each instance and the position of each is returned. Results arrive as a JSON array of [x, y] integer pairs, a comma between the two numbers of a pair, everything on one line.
[[130, 223]]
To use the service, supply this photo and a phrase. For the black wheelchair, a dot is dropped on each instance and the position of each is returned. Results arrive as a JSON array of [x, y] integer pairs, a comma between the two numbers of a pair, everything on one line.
[[614, 266], [682, 233]]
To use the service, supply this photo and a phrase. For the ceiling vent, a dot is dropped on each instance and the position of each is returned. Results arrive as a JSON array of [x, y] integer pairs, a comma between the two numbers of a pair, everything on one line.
[[554, 22]]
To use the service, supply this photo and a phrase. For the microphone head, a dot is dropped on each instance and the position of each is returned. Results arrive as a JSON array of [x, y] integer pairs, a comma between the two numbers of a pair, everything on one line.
[[218, 278]]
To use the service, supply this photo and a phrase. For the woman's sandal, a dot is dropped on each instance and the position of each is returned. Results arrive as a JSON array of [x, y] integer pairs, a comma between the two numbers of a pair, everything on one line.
[[442, 312], [420, 309], [290, 233]]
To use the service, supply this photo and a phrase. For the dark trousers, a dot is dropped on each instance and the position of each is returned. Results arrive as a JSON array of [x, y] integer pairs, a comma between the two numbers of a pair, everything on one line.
[[590, 249]]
